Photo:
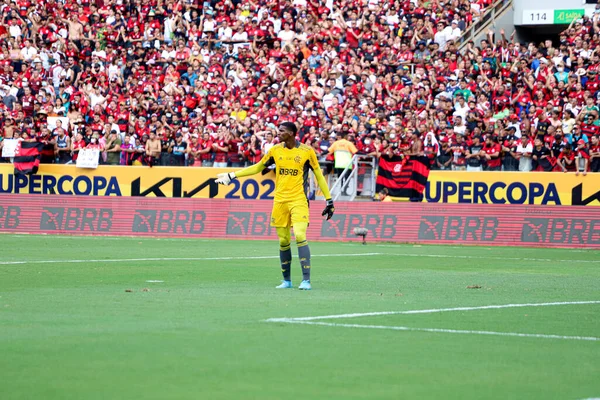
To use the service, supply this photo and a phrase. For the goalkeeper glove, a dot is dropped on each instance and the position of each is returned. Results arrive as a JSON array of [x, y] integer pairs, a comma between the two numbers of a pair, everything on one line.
[[225, 178], [329, 209]]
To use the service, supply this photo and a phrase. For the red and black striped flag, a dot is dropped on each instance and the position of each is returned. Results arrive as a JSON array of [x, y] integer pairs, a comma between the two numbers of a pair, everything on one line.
[[27, 157], [403, 177]]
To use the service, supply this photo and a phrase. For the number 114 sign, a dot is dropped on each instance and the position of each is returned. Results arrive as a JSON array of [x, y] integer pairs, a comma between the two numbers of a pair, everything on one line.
[[550, 16]]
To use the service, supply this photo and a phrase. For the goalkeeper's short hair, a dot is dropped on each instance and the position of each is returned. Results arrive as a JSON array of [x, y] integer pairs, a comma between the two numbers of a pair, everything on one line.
[[290, 126]]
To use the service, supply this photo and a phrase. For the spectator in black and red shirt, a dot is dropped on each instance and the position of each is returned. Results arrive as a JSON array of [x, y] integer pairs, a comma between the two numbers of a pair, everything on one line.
[[566, 159], [541, 157]]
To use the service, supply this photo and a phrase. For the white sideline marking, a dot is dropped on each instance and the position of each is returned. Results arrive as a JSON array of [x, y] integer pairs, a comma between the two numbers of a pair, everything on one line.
[[439, 330], [312, 320], [120, 238], [178, 259], [491, 258], [433, 310], [155, 281], [314, 255]]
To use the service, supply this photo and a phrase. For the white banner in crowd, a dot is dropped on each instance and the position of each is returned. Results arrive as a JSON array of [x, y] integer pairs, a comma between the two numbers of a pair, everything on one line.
[[88, 158], [8, 150], [52, 122]]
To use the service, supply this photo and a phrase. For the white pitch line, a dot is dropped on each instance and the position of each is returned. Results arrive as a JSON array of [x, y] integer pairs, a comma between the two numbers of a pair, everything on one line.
[[311, 320], [179, 259], [440, 330], [491, 258], [433, 310], [466, 257], [315, 255]]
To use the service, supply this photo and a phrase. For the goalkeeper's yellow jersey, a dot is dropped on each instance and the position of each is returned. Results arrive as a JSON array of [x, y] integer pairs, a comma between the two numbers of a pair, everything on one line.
[[291, 168]]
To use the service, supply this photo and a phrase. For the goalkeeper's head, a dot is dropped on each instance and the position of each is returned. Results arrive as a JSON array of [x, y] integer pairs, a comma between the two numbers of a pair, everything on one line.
[[287, 131], [289, 126]]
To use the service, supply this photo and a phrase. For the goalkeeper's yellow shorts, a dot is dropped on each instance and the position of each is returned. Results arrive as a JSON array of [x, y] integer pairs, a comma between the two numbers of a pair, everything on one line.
[[286, 214]]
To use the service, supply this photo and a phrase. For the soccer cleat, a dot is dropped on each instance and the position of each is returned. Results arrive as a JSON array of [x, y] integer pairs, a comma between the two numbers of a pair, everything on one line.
[[285, 285], [305, 285]]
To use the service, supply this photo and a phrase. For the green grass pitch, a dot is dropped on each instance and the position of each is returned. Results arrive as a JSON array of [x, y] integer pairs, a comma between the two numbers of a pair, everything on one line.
[[100, 330]]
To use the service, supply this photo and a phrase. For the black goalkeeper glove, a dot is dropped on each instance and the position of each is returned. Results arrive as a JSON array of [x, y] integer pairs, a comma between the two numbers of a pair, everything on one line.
[[329, 209]]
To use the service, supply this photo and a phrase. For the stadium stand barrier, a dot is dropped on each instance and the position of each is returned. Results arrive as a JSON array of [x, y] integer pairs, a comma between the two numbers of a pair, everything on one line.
[[490, 225]]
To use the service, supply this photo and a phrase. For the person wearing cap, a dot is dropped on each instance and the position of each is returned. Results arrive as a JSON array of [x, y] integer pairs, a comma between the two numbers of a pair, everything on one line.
[[582, 157], [178, 150], [452, 32], [422, 53], [509, 144], [443, 161], [474, 155]]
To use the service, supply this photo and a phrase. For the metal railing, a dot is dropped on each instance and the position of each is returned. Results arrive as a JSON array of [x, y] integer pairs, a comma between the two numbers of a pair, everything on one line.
[[357, 179], [489, 18]]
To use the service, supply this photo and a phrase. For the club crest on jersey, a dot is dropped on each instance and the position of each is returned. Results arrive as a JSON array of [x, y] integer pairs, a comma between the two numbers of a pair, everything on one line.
[[297, 159]]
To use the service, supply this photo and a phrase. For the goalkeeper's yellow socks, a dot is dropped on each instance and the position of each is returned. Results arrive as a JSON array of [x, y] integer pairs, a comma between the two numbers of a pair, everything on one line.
[[304, 255], [285, 255]]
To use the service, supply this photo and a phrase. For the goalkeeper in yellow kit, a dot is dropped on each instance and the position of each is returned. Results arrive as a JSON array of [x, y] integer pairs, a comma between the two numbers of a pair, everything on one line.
[[290, 208]]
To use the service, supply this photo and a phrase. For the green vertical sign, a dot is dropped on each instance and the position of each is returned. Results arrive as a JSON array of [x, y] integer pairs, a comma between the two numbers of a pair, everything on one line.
[[566, 16]]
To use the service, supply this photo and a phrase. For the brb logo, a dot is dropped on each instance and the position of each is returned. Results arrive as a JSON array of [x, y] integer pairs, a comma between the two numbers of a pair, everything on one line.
[[288, 171], [561, 230], [169, 221], [9, 217], [76, 219], [249, 223], [470, 229], [342, 225]]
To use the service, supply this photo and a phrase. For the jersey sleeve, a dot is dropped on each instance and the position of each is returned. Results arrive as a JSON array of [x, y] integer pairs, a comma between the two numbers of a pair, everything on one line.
[[313, 162], [268, 159]]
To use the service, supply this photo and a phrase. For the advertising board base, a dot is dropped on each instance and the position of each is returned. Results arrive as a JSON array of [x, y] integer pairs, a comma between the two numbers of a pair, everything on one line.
[[426, 223]]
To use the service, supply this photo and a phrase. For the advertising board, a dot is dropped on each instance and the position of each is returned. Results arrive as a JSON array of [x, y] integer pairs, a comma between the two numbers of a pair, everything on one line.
[[490, 225], [550, 188]]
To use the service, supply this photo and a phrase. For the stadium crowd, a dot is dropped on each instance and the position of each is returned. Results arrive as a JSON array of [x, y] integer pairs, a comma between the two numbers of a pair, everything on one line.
[[169, 82]]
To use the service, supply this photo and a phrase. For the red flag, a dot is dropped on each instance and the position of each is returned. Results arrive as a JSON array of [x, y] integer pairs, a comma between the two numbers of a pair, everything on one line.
[[27, 157]]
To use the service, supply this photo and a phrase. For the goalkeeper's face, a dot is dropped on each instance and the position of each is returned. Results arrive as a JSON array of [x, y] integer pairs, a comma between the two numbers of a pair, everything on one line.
[[284, 134]]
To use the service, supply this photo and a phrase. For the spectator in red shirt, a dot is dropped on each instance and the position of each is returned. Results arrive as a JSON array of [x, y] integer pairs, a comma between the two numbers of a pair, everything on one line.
[[492, 151]]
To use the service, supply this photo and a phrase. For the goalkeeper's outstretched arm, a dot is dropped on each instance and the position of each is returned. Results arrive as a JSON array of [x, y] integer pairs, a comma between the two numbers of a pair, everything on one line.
[[314, 163], [322, 183], [226, 177]]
